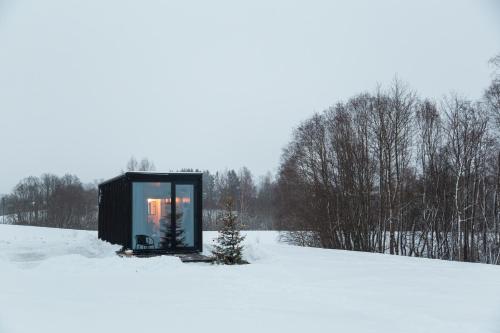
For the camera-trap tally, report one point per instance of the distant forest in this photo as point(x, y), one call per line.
point(385, 171)
point(65, 202)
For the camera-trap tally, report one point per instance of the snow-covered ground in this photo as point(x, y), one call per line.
point(54, 280)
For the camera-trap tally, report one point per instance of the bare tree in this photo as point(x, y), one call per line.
point(144, 165)
point(466, 130)
point(492, 93)
point(247, 195)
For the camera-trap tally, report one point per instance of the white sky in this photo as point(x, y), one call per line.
point(212, 84)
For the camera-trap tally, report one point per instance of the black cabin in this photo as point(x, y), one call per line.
point(152, 212)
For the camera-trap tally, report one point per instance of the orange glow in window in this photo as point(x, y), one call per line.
point(177, 200)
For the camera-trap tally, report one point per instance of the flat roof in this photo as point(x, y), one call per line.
point(144, 175)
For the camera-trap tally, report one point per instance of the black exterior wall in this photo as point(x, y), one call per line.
point(115, 212)
point(115, 206)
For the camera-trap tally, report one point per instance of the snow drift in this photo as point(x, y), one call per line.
point(55, 280)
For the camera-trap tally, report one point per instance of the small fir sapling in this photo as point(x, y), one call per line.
point(228, 247)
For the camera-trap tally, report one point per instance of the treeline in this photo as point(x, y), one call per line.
point(52, 201)
point(252, 199)
point(390, 172)
point(65, 202)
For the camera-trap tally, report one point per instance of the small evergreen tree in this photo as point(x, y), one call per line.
point(166, 238)
point(228, 248)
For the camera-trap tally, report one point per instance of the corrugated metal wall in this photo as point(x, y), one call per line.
point(115, 212)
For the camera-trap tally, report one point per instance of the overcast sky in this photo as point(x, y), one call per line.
point(212, 84)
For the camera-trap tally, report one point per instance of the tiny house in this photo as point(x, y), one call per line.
point(152, 212)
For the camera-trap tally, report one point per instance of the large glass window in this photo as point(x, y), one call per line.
point(184, 211)
point(151, 209)
point(153, 226)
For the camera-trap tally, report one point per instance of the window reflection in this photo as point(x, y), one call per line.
point(150, 213)
point(152, 216)
point(184, 207)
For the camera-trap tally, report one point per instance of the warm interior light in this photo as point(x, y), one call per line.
point(182, 200)
point(168, 200)
point(160, 207)
point(154, 210)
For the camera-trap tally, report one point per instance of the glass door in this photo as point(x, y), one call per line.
point(183, 228)
point(151, 215)
point(158, 221)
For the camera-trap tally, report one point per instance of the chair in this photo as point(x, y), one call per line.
point(144, 241)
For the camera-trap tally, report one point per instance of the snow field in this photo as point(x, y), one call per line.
point(54, 280)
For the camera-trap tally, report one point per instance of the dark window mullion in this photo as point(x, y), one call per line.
point(173, 222)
